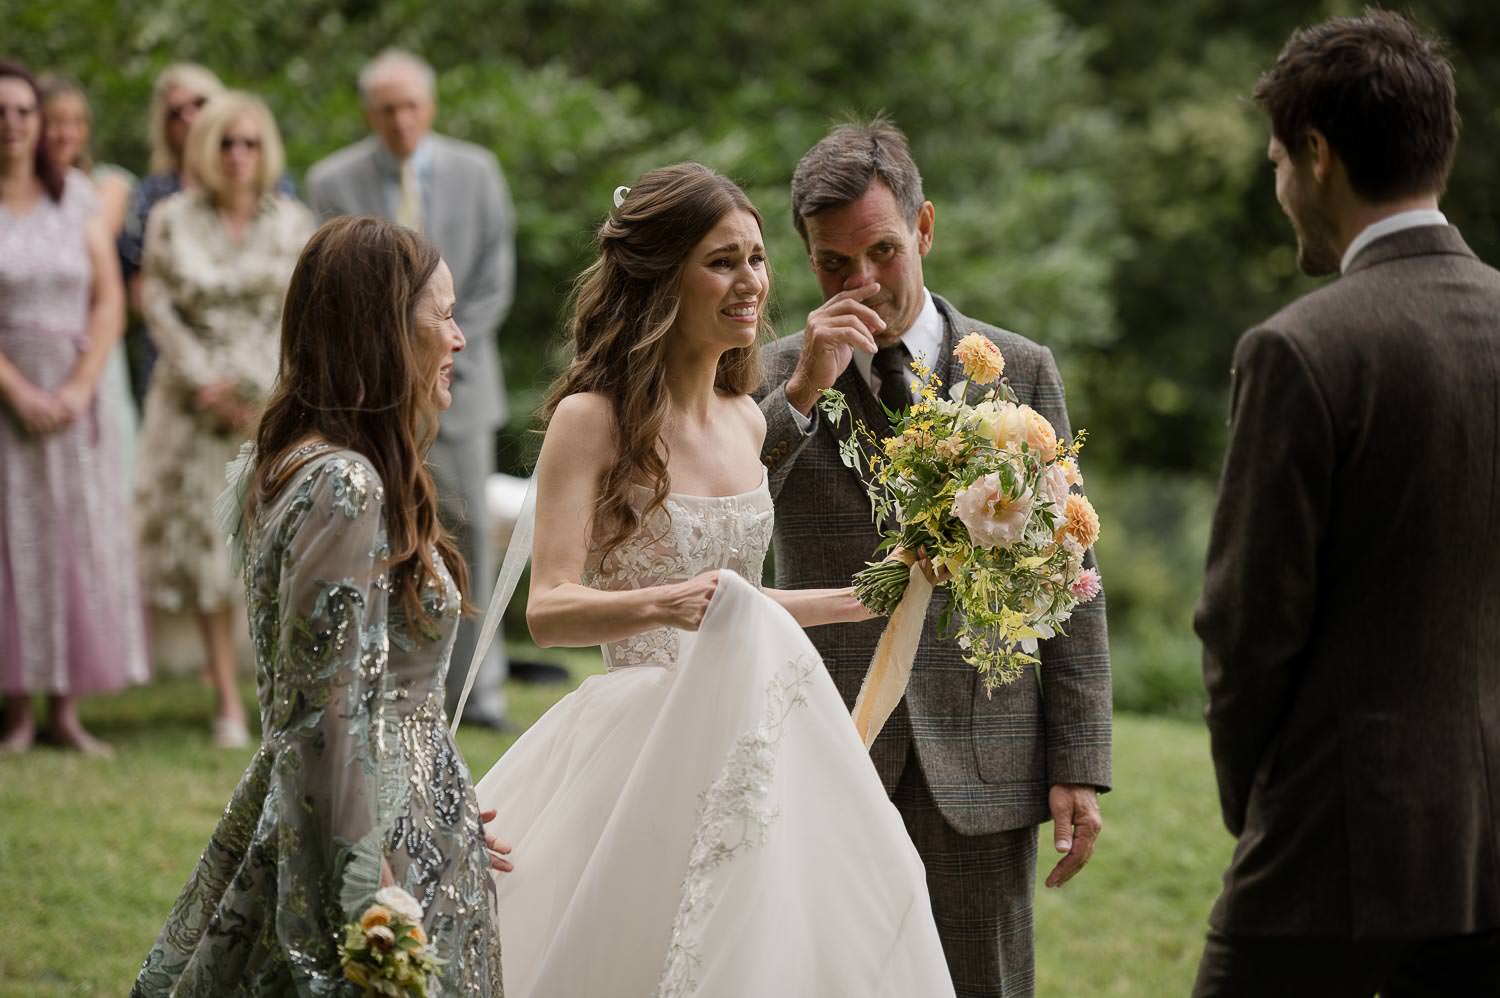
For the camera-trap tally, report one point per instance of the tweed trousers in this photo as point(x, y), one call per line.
point(982, 888)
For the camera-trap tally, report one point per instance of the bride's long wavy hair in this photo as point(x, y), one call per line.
point(354, 372)
point(623, 308)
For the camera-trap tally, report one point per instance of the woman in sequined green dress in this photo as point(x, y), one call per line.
point(353, 592)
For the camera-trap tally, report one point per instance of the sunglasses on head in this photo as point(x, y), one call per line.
point(228, 142)
point(178, 112)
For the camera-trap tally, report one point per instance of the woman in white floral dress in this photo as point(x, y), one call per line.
point(217, 261)
point(702, 819)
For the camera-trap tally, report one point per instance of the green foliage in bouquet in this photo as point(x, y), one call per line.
point(992, 497)
point(386, 953)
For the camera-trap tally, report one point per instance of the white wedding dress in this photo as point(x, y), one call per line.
point(702, 819)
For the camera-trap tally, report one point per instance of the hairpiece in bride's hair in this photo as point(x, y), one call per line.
point(621, 193)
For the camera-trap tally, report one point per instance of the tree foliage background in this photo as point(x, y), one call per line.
point(1099, 176)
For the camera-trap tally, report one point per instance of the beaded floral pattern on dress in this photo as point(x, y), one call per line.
point(687, 535)
point(733, 816)
point(356, 766)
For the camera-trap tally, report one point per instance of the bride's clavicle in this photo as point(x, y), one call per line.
point(719, 457)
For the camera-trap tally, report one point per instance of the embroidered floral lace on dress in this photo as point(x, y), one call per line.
point(688, 535)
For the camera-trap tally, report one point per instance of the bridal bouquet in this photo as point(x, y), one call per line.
point(386, 953)
point(993, 497)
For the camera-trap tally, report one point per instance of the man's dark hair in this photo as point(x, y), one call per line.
point(843, 165)
point(1379, 90)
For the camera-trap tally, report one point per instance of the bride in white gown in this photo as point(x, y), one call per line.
point(702, 819)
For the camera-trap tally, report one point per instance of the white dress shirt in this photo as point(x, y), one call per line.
point(924, 340)
point(1391, 223)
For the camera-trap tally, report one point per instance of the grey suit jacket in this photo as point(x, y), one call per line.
point(1351, 611)
point(988, 760)
point(472, 222)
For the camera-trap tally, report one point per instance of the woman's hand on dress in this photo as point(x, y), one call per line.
point(496, 848)
point(75, 397)
point(683, 604)
point(39, 412)
point(387, 878)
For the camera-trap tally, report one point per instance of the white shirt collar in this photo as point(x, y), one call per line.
point(1391, 223)
point(924, 339)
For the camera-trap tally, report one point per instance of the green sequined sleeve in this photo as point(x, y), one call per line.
point(329, 684)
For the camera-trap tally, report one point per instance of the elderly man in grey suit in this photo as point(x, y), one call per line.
point(455, 193)
point(972, 775)
point(1351, 611)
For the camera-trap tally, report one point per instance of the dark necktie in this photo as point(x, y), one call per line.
point(890, 366)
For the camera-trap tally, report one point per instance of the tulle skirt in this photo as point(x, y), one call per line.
point(710, 827)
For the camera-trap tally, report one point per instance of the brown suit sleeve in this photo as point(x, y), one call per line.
point(1077, 697)
point(1261, 582)
point(784, 438)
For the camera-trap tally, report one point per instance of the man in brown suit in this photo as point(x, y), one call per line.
point(972, 775)
point(1351, 611)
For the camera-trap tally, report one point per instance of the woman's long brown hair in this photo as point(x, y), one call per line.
point(623, 307)
point(354, 373)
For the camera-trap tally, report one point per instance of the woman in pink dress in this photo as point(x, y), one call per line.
point(70, 622)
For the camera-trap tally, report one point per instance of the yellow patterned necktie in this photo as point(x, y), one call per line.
point(409, 205)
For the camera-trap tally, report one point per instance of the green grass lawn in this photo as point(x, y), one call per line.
point(93, 853)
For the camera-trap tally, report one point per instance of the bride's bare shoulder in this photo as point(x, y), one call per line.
point(748, 412)
point(582, 425)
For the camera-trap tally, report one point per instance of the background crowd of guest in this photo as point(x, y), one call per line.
point(139, 332)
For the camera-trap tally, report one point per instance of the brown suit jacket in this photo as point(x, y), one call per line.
point(988, 760)
point(1351, 611)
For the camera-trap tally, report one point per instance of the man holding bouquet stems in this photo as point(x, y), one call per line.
point(1351, 609)
point(973, 775)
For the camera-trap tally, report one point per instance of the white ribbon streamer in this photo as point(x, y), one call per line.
point(517, 554)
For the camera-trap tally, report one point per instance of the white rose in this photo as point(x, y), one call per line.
point(400, 902)
point(1053, 488)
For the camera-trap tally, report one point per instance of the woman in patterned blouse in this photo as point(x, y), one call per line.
point(216, 266)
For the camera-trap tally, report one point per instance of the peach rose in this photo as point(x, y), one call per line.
point(982, 361)
point(1080, 521)
point(376, 914)
point(1040, 435)
point(1002, 422)
point(992, 518)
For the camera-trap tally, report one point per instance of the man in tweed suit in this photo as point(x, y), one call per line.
point(455, 193)
point(1351, 610)
point(972, 775)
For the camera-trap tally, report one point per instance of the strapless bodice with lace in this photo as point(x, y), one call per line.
point(687, 535)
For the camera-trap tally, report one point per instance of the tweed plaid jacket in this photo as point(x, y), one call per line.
point(989, 761)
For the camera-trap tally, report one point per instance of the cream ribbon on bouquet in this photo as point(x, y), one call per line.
point(890, 668)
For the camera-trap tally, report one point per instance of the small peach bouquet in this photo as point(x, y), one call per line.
point(993, 498)
point(386, 953)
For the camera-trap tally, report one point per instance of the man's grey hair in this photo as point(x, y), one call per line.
point(394, 59)
point(843, 165)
